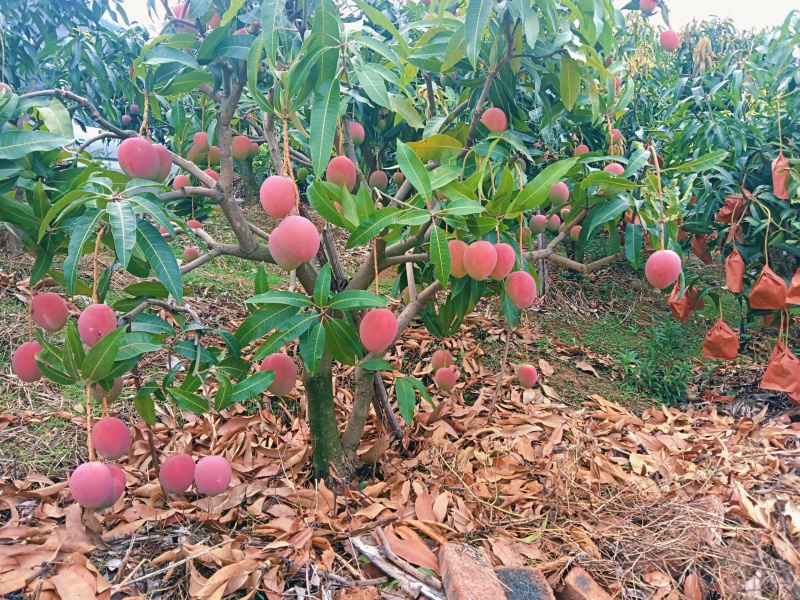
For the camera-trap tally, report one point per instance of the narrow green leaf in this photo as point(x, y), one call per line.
point(322, 287)
point(188, 401)
point(123, 227)
point(570, 81)
point(478, 13)
point(701, 164)
point(271, 20)
point(534, 194)
point(82, 230)
point(252, 386)
point(101, 357)
point(260, 323)
point(356, 300)
point(343, 341)
point(283, 297)
point(406, 399)
point(440, 255)
point(373, 85)
point(261, 280)
point(376, 364)
point(633, 243)
point(146, 407)
point(165, 54)
point(312, 345)
point(18, 143)
point(324, 114)
point(161, 258)
point(74, 354)
point(372, 226)
point(224, 396)
point(414, 170)
point(56, 118)
point(403, 107)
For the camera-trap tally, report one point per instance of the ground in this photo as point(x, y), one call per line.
point(590, 467)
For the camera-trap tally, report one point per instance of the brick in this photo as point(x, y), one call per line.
point(467, 574)
point(357, 593)
point(524, 583)
point(579, 585)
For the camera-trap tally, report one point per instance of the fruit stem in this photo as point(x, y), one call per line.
point(780, 134)
point(89, 445)
point(660, 194)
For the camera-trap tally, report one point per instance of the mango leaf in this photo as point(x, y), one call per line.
point(342, 341)
point(74, 354)
point(356, 300)
point(478, 13)
point(224, 396)
point(283, 297)
point(18, 143)
point(372, 226)
point(81, 231)
point(413, 168)
point(570, 81)
point(376, 364)
point(437, 147)
point(123, 227)
point(440, 255)
point(406, 399)
point(189, 401)
point(380, 19)
point(403, 107)
point(161, 258)
point(312, 345)
point(699, 164)
point(165, 54)
point(260, 323)
point(98, 362)
point(324, 114)
point(56, 118)
point(322, 287)
point(534, 194)
point(373, 85)
point(252, 386)
point(145, 405)
point(633, 243)
point(271, 20)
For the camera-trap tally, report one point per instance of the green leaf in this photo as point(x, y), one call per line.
point(371, 226)
point(165, 54)
point(135, 344)
point(382, 20)
point(376, 364)
point(437, 147)
point(324, 114)
point(81, 231)
point(570, 81)
point(356, 300)
point(74, 354)
point(699, 164)
point(633, 243)
point(161, 258)
point(20, 214)
point(234, 367)
point(56, 118)
point(322, 287)
point(637, 160)
point(406, 399)
point(603, 213)
point(232, 11)
point(55, 375)
point(261, 280)
point(271, 21)
point(534, 194)
point(343, 341)
point(18, 143)
point(403, 107)
point(420, 387)
point(252, 386)
point(153, 289)
point(440, 255)
point(320, 202)
point(145, 405)
point(312, 345)
point(373, 85)
point(101, 357)
point(123, 227)
point(148, 323)
point(282, 297)
point(188, 401)
point(414, 170)
point(260, 323)
point(478, 13)
point(224, 396)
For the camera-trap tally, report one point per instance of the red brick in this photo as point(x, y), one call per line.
point(467, 574)
point(579, 585)
point(357, 593)
point(524, 583)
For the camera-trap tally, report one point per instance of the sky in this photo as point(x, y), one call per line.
point(745, 14)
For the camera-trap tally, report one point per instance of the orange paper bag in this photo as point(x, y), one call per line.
point(700, 249)
point(732, 209)
point(769, 291)
point(783, 371)
point(793, 297)
point(780, 177)
point(734, 271)
point(721, 342)
point(682, 308)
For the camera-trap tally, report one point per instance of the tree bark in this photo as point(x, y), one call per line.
point(362, 400)
point(326, 446)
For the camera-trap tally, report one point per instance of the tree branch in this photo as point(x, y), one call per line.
point(85, 105)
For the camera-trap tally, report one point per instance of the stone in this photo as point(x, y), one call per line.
point(467, 574)
point(579, 585)
point(524, 583)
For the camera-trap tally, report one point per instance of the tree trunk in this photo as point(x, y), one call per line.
point(365, 389)
point(326, 446)
point(250, 184)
